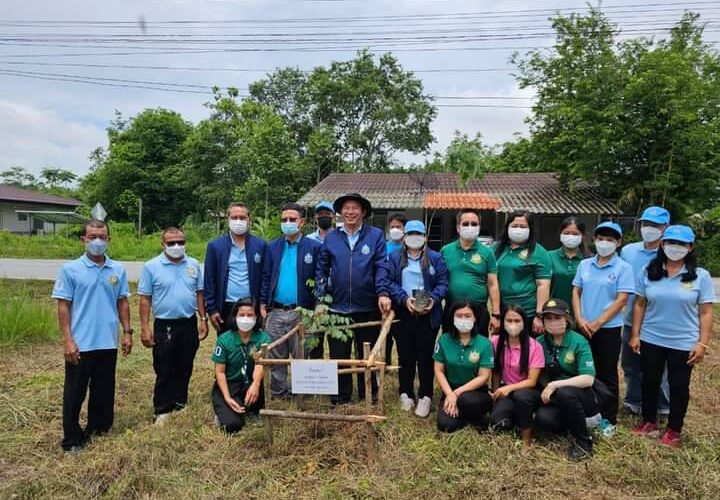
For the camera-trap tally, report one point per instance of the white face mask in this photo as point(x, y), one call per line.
point(463, 324)
point(675, 252)
point(518, 235)
point(571, 241)
point(605, 248)
point(469, 233)
point(650, 234)
point(513, 329)
point(245, 323)
point(555, 326)
point(396, 233)
point(175, 251)
point(415, 241)
point(238, 227)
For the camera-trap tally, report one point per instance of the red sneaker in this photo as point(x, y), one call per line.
point(671, 438)
point(645, 428)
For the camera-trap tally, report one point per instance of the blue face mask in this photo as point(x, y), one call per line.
point(289, 228)
point(96, 247)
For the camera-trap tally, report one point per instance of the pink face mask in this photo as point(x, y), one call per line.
point(555, 326)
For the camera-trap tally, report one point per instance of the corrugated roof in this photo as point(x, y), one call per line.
point(538, 192)
point(443, 200)
point(19, 195)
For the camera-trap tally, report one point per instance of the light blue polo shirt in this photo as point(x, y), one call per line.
point(600, 286)
point(412, 277)
point(672, 317)
point(173, 287)
point(94, 291)
point(315, 235)
point(638, 257)
point(238, 286)
point(287, 284)
point(352, 238)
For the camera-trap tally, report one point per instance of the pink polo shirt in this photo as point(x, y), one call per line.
point(511, 360)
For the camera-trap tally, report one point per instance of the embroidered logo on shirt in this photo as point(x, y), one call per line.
point(257, 258)
point(524, 254)
point(114, 280)
point(474, 357)
point(308, 258)
point(688, 286)
point(476, 258)
point(365, 250)
point(569, 357)
point(191, 272)
point(612, 277)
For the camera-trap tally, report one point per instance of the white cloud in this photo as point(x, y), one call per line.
point(34, 138)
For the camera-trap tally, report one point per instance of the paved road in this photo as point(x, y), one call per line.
point(48, 270)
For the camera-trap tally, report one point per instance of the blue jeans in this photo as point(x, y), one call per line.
point(630, 363)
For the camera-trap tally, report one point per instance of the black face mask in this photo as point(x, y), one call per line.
point(324, 222)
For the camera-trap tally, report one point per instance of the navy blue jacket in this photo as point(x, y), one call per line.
point(216, 269)
point(435, 278)
point(354, 278)
point(307, 256)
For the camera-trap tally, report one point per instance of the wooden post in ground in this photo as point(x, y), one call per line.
point(381, 391)
point(268, 392)
point(300, 399)
point(370, 428)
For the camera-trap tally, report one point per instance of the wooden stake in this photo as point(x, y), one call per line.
point(368, 379)
point(284, 338)
point(322, 416)
point(268, 393)
point(262, 360)
point(379, 347)
point(376, 368)
point(381, 390)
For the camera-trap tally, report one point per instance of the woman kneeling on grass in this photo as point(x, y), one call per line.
point(568, 398)
point(519, 359)
point(672, 321)
point(238, 380)
point(463, 364)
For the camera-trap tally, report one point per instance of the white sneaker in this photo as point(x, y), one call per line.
point(161, 419)
point(406, 402)
point(592, 422)
point(423, 407)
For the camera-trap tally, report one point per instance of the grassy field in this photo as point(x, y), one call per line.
point(188, 458)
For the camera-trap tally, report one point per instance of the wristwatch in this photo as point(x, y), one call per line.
point(129, 331)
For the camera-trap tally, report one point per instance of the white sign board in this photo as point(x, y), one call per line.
point(314, 377)
point(98, 212)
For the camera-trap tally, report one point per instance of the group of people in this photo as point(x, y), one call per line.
point(530, 338)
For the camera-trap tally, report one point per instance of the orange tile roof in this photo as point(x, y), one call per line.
point(450, 200)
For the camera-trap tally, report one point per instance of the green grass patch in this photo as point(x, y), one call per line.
point(25, 318)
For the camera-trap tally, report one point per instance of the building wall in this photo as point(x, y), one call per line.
point(24, 223)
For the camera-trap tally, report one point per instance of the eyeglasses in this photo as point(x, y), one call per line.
point(176, 243)
point(466, 224)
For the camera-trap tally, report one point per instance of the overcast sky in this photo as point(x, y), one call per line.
point(50, 116)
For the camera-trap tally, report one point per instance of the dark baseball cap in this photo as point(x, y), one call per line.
point(556, 306)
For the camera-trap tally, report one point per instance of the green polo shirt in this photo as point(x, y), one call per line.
point(563, 272)
point(463, 362)
point(573, 356)
point(237, 356)
point(468, 270)
point(517, 272)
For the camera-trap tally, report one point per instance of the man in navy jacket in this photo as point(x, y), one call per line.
point(352, 269)
point(289, 265)
point(233, 267)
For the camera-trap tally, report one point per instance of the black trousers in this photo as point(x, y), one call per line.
point(415, 339)
point(515, 410)
point(228, 322)
point(567, 410)
point(176, 342)
point(341, 349)
point(473, 406)
point(482, 317)
point(605, 345)
point(229, 420)
point(653, 359)
point(96, 370)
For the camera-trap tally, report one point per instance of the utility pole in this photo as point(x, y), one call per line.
point(139, 217)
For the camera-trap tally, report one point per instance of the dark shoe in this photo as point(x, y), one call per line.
point(73, 450)
point(580, 450)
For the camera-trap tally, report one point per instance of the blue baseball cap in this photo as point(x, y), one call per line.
point(656, 215)
point(414, 226)
point(679, 233)
point(324, 205)
point(608, 224)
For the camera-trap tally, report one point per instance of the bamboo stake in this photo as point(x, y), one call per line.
point(381, 390)
point(382, 338)
point(284, 338)
point(368, 379)
point(268, 392)
point(376, 368)
point(370, 419)
point(301, 355)
point(351, 326)
point(341, 362)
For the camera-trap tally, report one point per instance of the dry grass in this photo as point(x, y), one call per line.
point(188, 458)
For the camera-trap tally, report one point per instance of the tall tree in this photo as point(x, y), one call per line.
point(358, 112)
point(18, 177)
point(143, 162)
point(639, 118)
point(54, 177)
